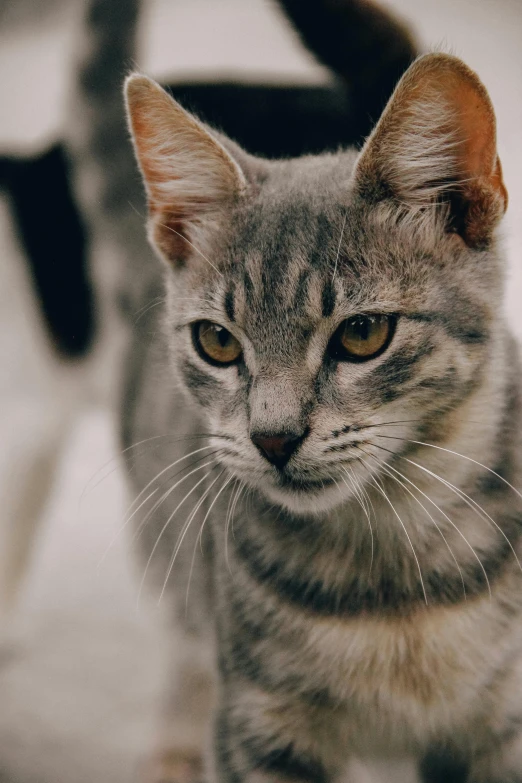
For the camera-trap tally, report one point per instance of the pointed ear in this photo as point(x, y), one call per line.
point(189, 176)
point(436, 143)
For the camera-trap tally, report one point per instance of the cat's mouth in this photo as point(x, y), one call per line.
point(302, 495)
point(300, 484)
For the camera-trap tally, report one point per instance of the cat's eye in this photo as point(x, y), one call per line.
point(216, 344)
point(362, 337)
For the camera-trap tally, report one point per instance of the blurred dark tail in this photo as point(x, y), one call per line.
point(51, 232)
point(363, 43)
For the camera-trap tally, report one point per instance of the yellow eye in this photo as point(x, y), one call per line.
point(215, 344)
point(363, 337)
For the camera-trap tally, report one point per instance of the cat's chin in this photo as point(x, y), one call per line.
point(306, 500)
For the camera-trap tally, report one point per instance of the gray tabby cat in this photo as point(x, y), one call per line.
point(334, 398)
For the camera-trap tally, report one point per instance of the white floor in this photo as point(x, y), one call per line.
point(78, 692)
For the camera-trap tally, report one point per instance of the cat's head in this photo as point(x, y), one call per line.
point(320, 305)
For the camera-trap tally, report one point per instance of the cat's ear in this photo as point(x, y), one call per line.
point(436, 144)
point(189, 177)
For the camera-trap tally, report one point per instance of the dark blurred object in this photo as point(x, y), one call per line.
point(274, 122)
point(364, 44)
point(441, 766)
point(52, 234)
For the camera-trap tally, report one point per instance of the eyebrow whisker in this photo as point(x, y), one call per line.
point(339, 249)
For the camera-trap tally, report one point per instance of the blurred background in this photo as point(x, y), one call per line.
point(81, 666)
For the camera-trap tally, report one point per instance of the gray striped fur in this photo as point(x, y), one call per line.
point(365, 602)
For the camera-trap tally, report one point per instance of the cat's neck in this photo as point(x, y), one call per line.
point(424, 532)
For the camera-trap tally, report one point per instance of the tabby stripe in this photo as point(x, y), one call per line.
point(301, 290)
point(390, 376)
point(239, 659)
point(223, 754)
point(328, 298)
point(386, 596)
point(198, 380)
point(228, 306)
point(282, 761)
point(468, 330)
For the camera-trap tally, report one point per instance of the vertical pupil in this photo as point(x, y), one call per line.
point(222, 335)
point(363, 328)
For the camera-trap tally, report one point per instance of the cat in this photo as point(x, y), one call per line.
point(322, 419)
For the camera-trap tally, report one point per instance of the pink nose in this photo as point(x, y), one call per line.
point(277, 449)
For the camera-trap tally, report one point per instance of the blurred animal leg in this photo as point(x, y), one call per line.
point(186, 714)
point(32, 431)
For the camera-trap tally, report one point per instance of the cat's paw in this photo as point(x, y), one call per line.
point(175, 766)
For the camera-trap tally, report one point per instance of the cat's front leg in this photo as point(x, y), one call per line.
point(185, 721)
point(501, 764)
point(261, 737)
point(499, 758)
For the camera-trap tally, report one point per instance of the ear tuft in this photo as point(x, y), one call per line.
point(436, 142)
point(188, 174)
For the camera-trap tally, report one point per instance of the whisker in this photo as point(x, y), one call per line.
point(386, 423)
point(169, 491)
point(366, 512)
point(131, 469)
point(388, 469)
point(247, 501)
point(167, 523)
point(156, 505)
point(472, 504)
point(235, 493)
point(237, 484)
point(169, 228)
point(200, 534)
point(87, 487)
point(163, 471)
point(166, 438)
point(352, 428)
point(184, 532)
point(339, 248)
point(146, 309)
point(385, 496)
point(122, 528)
point(230, 522)
point(460, 492)
point(452, 523)
point(367, 494)
point(358, 488)
point(457, 454)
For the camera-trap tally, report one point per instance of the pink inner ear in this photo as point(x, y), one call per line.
point(483, 194)
point(189, 176)
point(437, 140)
point(143, 140)
point(477, 156)
point(181, 161)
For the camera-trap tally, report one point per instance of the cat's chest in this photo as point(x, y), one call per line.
point(414, 675)
point(385, 682)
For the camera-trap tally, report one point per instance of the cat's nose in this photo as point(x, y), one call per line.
point(278, 448)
